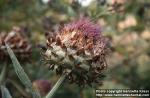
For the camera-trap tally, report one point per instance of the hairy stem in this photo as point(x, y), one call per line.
point(81, 92)
point(56, 86)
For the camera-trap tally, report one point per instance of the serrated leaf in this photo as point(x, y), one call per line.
point(21, 73)
point(5, 92)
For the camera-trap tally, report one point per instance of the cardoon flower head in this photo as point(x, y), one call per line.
point(17, 42)
point(79, 49)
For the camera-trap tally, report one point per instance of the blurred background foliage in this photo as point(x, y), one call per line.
point(126, 25)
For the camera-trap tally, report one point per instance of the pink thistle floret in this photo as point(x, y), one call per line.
point(85, 26)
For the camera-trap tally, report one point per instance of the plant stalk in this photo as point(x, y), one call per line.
point(81, 92)
point(56, 86)
point(3, 74)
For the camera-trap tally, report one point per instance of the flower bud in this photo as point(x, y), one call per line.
point(43, 86)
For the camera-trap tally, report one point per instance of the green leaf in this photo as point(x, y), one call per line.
point(21, 73)
point(5, 92)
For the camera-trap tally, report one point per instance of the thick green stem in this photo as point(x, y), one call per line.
point(56, 86)
point(81, 92)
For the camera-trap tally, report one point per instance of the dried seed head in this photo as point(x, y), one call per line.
point(81, 48)
point(17, 42)
point(43, 86)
